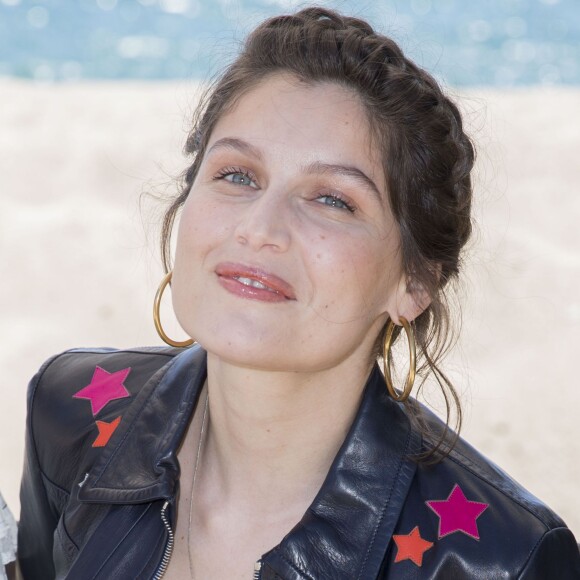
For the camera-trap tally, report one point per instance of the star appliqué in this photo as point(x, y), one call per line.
point(104, 387)
point(105, 431)
point(411, 546)
point(458, 514)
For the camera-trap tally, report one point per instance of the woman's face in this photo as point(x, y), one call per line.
point(287, 253)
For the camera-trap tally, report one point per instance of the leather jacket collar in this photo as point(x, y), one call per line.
point(371, 473)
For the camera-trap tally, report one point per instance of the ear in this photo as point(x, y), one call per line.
point(411, 300)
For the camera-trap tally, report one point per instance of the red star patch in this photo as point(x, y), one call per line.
point(104, 387)
point(457, 514)
point(105, 431)
point(411, 546)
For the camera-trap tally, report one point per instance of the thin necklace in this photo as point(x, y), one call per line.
point(201, 433)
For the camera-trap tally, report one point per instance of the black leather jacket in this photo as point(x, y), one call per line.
point(96, 512)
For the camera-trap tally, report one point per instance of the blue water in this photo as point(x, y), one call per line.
point(463, 42)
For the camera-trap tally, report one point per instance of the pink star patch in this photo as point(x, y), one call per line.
point(104, 387)
point(457, 514)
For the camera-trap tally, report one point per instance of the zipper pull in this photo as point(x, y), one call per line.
point(81, 483)
point(257, 570)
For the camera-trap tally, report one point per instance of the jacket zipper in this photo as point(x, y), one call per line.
point(168, 546)
point(169, 549)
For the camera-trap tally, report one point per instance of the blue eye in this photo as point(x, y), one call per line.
point(237, 176)
point(335, 201)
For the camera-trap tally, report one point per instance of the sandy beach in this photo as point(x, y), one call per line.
point(79, 259)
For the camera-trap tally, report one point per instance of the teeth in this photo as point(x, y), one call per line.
point(251, 282)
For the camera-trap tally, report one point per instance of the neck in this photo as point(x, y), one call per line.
point(272, 436)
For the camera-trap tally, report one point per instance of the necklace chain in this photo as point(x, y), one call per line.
point(199, 445)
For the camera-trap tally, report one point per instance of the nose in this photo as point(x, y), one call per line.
point(264, 222)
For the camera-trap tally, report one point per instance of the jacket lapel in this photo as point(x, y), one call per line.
point(142, 466)
point(347, 529)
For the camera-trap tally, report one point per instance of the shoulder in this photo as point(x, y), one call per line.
point(78, 398)
point(475, 516)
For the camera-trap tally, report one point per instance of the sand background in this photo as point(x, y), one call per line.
point(79, 262)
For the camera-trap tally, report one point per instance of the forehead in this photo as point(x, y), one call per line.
point(322, 121)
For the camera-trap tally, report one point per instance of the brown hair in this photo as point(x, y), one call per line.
point(427, 157)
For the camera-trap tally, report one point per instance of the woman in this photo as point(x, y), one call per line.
point(325, 208)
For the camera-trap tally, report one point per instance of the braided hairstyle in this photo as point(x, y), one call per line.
point(427, 158)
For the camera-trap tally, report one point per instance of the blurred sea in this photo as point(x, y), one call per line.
point(484, 42)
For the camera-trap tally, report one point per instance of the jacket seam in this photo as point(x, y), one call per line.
point(58, 487)
point(148, 562)
point(64, 536)
point(65, 528)
point(111, 554)
point(96, 488)
point(533, 550)
point(39, 378)
point(372, 541)
point(302, 573)
point(511, 497)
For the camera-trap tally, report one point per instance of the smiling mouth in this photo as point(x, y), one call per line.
point(254, 283)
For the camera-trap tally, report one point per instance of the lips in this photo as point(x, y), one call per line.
point(254, 283)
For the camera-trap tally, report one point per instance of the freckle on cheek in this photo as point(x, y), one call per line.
point(322, 237)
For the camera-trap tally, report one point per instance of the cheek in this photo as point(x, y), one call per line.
point(347, 266)
point(201, 226)
point(196, 233)
point(367, 272)
point(383, 273)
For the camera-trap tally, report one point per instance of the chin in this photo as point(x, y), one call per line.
point(270, 355)
point(253, 352)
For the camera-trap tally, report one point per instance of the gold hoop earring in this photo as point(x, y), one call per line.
point(157, 319)
point(412, 360)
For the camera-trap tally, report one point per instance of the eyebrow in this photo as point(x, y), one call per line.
point(237, 145)
point(347, 171)
point(317, 167)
